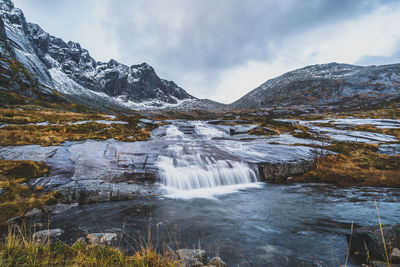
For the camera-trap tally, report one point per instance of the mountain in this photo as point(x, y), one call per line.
point(56, 67)
point(327, 85)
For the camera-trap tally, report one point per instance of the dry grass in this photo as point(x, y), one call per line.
point(18, 248)
point(29, 115)
point(356, 164)
point(17, 199)
point(57, 134)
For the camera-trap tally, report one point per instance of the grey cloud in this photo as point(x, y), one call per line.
point(210, 36)
point(380, 60)
point(216, 34)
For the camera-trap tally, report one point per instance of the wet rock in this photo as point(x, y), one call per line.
point(395, 255)
point(148, 122)
point(217, 261)
point(242, 129)
point(59, 208)
point(278, 171)
point(367, 241)
point(33, 213)
point(94, 191)
point(102, 239)
point(197, 254)
point(389, 149)
point(141, 125)
point(47, 235)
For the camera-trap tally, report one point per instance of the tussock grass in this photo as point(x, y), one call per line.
point(356, 164)
point(57, 134)
point(17, 198)
point(18, 248)
point(29, 115)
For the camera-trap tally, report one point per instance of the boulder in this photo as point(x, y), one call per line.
point(242, 129)
point(367, 241)
point(395, 255)
point(147, 122)
point(47, 235)
point(33, 213)
point(279, 171)
point(102, 239)
point(217, 261)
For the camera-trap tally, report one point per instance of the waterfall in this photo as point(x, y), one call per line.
point(184, 175)
point(194, 169)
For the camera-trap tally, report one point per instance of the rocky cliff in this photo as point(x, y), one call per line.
point(330, 84)
point(69, 69)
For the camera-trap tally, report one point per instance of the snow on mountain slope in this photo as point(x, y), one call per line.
point(326, 84)
point(69, 69)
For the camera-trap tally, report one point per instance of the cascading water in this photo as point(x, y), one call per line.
point(194, 169)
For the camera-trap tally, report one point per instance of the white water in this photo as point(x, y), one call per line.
point(193, 169)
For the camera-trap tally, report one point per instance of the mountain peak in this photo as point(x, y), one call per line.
point(69, 69)
point(327, 84)
point(6, 5)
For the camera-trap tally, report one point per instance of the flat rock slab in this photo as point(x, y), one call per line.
point(45, 235)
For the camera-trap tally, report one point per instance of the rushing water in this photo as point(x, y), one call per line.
point(272, 225)
point(190, 167)
point(213, 200)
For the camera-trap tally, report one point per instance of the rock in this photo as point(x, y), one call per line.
point(368, 241)
point(94, 191)
point(102, 239)
point(389, 149)
point(1, 191)
point(242, 129)
point(217, 261)
point(278, 171)
point(148, 122)
point(197, 254)
point(33, 213)
point(141, 125)
point(395, 256)
point(49, 235)
point(59, 208)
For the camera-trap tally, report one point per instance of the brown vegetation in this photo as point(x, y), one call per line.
point(355, 164)
point(16, 198)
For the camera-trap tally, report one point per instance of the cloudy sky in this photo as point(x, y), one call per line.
point(223, 49)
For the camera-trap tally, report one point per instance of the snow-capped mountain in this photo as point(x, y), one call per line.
point(327, 84)
point(70, 70)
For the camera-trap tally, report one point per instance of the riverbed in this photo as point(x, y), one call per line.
point(272, 225)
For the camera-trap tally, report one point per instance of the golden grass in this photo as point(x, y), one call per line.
point(18, 248)
point(22, 169)
point(356, 164)
point(57, 134)
point(17, 116)
point(17, 199)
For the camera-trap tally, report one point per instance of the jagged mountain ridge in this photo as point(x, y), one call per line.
point(70, 70)
point(326, 84)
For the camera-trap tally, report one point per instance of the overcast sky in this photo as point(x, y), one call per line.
point(222, 49)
